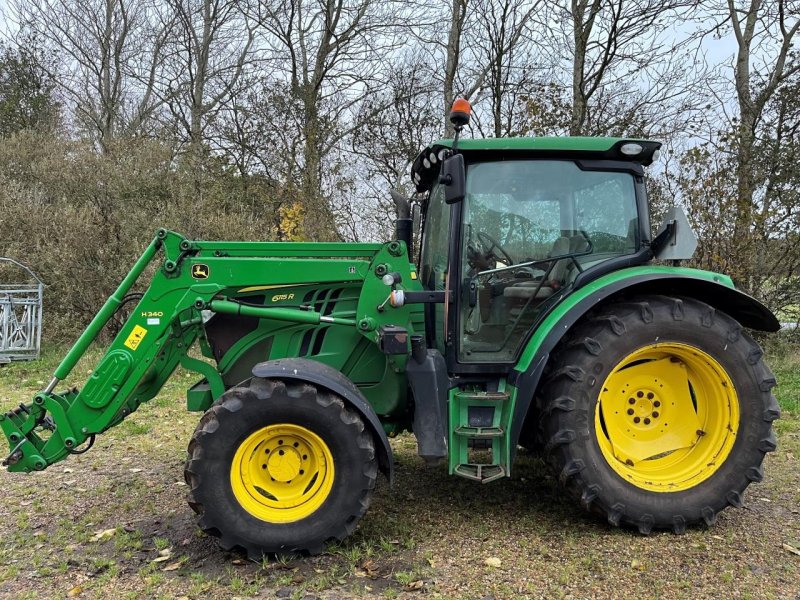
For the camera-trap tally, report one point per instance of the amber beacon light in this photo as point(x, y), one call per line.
point(460, 112)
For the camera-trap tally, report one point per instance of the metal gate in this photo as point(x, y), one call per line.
point(20, 316)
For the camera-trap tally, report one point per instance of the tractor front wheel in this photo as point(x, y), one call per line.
point(280, 468)
point(657, 413)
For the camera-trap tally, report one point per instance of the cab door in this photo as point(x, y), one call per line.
point(434, 262)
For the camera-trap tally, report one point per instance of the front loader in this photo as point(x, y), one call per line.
point(535, 316)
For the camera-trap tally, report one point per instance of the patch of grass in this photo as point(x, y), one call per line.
point(784, 359)
point(161, 543)
point(135, 427)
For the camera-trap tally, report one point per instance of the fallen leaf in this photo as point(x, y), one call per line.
point(173, 566)
point(161, 559)
point(165, 552)
point(716, 537)
point(415, 585)
point(791, 549)
point(103, 535)
point(492, 561)
point(238, 562)
point(74, 591)
point(635, 564)
point(135, 470)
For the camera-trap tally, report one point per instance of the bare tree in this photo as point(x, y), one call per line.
point(616, 43)
point(111, 56)
point(210, 50)
point(493, 32)
point(754, 24)
point(333, 55)
point(511, 59)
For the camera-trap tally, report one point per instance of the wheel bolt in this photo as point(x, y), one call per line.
point(630, 411)
point(655, 415)
point(280, 452)
point(650, 395)
point(636, 419)
point(263, 466)
point(305, 456)
point(302, 472)
point(646, 421)
point(631, 401)
point(639, 394)
point(656, 403)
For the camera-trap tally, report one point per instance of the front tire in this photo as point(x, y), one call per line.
point(278, 468)
point(657, 413)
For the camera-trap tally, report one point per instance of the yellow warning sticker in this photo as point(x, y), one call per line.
point(136, 337)
point(413, 274)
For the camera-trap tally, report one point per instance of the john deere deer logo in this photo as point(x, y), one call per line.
point(200, 271)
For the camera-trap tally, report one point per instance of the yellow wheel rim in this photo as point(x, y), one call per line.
point(667, 417)
point(282, 473)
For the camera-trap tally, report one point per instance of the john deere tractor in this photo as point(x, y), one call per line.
point(534, 316)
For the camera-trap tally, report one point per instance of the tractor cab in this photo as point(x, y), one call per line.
point(538, 217)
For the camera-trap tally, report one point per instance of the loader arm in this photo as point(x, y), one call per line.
point(192, 278)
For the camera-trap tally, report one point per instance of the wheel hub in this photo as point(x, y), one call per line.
point(284, 465)
point(643, 407)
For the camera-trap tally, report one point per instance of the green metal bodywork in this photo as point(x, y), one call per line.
point(297, 292)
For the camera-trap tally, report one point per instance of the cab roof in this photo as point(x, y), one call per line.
point(426, 165)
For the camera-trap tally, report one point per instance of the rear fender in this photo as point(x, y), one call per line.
point(324, 376)
point(712, 288)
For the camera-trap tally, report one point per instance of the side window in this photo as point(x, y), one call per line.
point(606, 213)
point(433, 258)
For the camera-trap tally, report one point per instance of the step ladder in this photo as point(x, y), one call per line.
point(480, 423)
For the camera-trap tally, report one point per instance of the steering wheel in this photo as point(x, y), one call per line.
point(489, 244)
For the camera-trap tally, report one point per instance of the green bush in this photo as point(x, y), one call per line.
point(80, 218)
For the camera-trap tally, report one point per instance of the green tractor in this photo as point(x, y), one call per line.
point(534, 317)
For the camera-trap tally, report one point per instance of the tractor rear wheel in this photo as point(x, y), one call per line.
point(280, 468)
point(657, 413)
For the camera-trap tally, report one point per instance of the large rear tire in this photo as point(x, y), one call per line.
point(657, 413)
point(278, 468)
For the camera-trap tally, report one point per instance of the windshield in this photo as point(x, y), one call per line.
point(529, 228)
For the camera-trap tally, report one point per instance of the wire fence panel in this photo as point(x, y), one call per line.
point(20, 318)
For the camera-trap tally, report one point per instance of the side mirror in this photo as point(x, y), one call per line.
point(675, 239)
point(453, 178)
point(416, 217)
